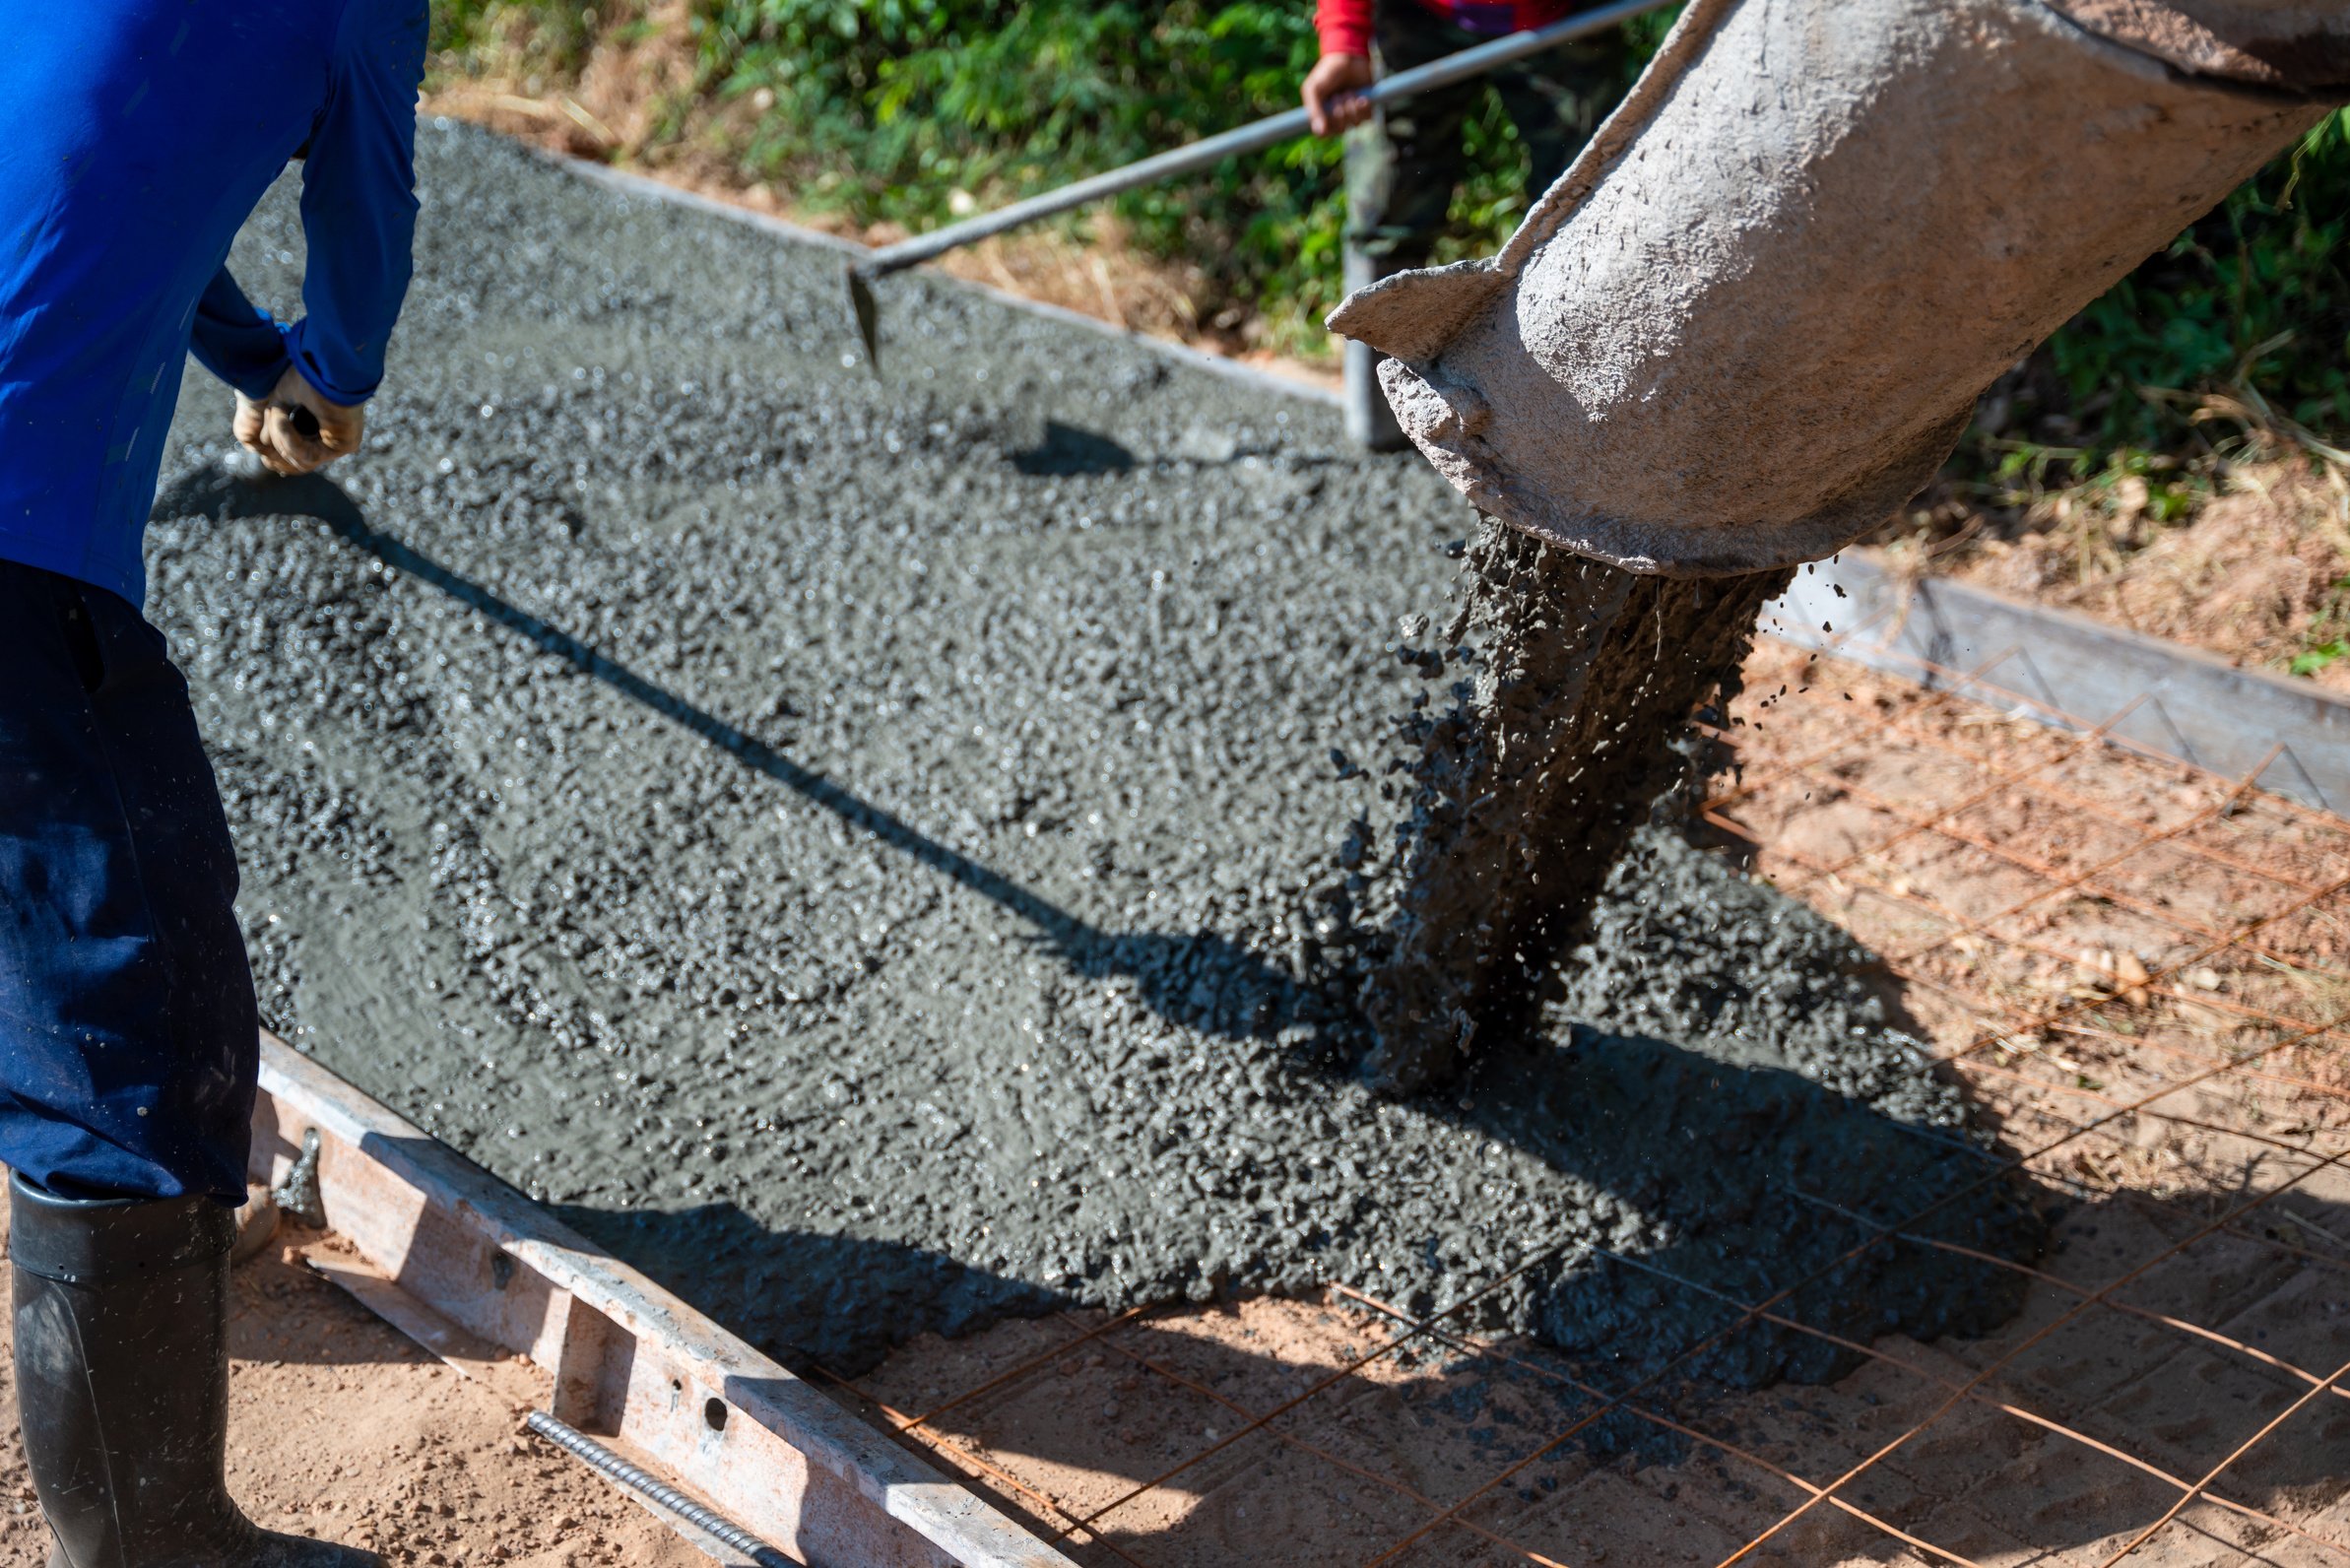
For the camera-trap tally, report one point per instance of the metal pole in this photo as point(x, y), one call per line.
point(1370, 423)
point(1246, 138)
point(597, 1457)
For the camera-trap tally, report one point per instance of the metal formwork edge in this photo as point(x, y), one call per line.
point(2063, 668)
point(620, 1355)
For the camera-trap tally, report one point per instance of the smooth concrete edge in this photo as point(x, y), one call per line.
point(2162, 698)
point(643, 185)
point(624, 1354)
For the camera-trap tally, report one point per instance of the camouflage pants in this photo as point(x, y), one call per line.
point(1402, 168)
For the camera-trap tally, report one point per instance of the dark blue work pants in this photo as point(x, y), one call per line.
point(127, 1023)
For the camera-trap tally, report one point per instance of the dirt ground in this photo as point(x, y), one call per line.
point(344, 1430)
point(2258, 574)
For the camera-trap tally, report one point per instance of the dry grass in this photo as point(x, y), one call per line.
point(2258, 573)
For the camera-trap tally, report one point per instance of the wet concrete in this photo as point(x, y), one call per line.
point(871, 853)
point(1530, 784)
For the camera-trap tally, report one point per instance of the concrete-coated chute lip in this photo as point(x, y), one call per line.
point(605, 1350)
point(1755, 316)
point(2280, 44)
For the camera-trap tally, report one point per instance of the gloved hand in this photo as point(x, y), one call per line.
point(295, 430)
point(1333, 92)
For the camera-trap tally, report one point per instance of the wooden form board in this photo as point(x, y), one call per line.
point(620, 1355)
point(2288, 736)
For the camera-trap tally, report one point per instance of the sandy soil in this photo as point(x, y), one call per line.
point(344, 1430)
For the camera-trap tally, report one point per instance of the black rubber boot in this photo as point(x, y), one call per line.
point(123, 1385)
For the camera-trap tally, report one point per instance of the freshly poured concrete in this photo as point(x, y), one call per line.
point(1526, 788)
point(871, 851)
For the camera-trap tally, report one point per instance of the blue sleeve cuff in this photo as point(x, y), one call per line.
point(235, 339)
point(306, 362)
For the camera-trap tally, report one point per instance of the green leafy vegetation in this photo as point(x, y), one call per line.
point(2323, 656)
point(2328, 641)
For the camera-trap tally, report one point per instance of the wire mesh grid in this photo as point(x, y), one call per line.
point(2141, 975)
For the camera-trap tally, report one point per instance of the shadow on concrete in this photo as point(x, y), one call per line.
point(1068, 452)
point(1745, 1182)
point(1685, 1139)
point(1201, 980)
point(1738, 1185)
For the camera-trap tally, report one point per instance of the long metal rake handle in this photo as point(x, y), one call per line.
point(1248, 138)
point(865, 310)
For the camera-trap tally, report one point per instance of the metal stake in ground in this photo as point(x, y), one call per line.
point(1205, 154)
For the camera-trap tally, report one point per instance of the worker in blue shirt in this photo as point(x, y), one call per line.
point(135, 137)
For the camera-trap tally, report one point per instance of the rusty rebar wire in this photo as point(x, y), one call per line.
point(1748, 1318)
point(2033, 1338)
point(2199, 1488)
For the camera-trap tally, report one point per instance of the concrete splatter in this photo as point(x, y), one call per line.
point(1528, 786)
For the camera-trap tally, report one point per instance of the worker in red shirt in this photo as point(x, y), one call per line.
point(1401, 172)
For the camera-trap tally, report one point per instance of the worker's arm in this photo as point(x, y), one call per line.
point(235, 339)
point(359, 217)
point(1333, 89)
point(240, 342)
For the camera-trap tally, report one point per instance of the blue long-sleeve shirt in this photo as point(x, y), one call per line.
point(135, 137)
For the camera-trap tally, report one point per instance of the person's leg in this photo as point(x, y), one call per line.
point(1557, 99)
point(1401, 171)
point(127, 1021)
point(1402, 168)
point(127, 1065)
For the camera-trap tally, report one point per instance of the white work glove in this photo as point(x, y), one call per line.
point(274, 431)
point(1333, 92)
